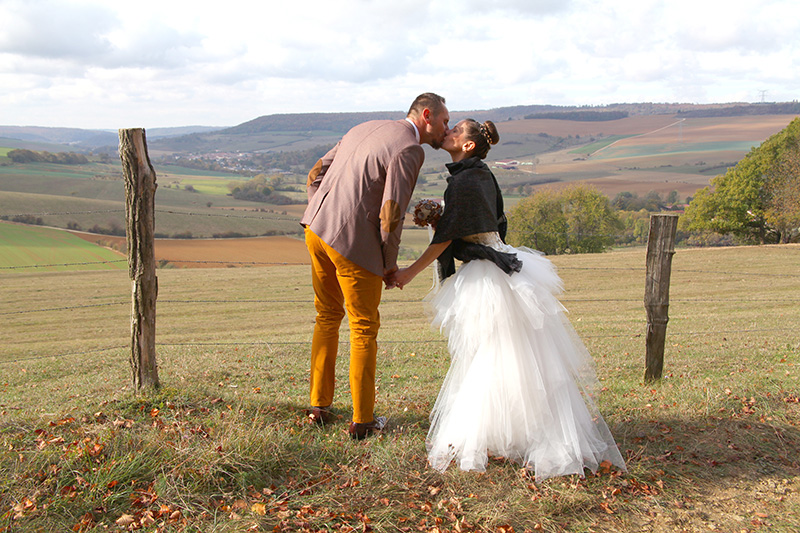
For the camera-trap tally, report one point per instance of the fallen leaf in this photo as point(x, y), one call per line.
point(125, 520)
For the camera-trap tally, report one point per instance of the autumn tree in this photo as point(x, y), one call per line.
point(577, 219)
point(22, 155)
point(783, 185)
point(261, 188)
point(752, 200)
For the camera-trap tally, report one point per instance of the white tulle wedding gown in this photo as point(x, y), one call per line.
point(520, 380)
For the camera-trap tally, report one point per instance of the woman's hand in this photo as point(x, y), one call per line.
point(402, 277)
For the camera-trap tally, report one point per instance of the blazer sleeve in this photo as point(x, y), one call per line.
point(317, 172)
point(401, 177)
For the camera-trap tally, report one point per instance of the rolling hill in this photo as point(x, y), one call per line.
point(654, 147)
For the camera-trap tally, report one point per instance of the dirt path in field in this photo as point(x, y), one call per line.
point(216, 253)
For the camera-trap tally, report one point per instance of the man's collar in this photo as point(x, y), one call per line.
point(416, 130)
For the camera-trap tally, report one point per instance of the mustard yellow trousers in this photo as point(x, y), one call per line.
point(338, 284)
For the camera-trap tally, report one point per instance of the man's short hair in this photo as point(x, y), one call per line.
point(432, 101)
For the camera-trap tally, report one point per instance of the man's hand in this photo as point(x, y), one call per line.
point(389, 277)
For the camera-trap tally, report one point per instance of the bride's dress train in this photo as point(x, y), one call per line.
point(520, 380)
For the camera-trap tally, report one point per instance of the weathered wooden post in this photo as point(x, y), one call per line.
point(140, 192)
point(660, 249)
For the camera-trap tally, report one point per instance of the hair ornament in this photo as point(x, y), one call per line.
point(485, 132)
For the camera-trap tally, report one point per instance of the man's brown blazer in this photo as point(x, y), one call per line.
point(359, 191)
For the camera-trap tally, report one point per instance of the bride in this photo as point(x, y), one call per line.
point(520, 380)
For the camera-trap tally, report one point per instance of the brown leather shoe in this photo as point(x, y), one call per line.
point(320, 415)
point(359, 431)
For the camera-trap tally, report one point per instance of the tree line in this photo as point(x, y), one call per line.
point(581, 219)
point(773, 108)
point(582, 116)
point(264, 188)
point(22, 155)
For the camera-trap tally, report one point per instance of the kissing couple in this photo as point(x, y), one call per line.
point(520, 382)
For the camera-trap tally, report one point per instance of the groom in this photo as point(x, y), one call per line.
point(357, 198)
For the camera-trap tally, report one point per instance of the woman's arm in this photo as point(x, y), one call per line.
point(404, 276)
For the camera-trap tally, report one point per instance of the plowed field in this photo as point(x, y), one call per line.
point(211, 253)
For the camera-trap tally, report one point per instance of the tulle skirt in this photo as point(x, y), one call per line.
point(520, 382)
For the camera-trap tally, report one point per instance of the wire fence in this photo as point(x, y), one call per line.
point(211, 304)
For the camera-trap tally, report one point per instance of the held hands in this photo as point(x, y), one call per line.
point(398, 278)
point(403, 277)
point(388, 277)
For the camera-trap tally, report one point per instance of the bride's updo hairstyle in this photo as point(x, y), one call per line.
point(483, 135)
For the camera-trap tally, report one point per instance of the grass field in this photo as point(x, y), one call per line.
point(598, 145)
point(224, 446)
point(22, 246)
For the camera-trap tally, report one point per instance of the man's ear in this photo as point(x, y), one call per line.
point(426, 114)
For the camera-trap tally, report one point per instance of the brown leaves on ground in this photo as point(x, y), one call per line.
point(162, 517)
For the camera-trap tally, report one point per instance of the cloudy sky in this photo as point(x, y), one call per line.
point(114, 64)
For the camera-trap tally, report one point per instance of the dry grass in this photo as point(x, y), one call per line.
point(224, 445)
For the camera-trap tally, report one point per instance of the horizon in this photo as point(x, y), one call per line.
point(456, 111)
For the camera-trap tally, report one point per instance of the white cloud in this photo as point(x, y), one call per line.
point(99, 63)
point(51, 29)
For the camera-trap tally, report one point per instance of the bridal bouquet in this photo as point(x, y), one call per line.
point(427, 212)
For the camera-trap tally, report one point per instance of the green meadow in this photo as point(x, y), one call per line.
point(224, 444)
point(23, 247)
point(597, 145)
point(617, 152)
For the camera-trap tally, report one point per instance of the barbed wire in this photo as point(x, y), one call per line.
point(681, 270)
point(264, 263)
point(400, 301)
point(286, 218)
point(67, 354)
point(61, 213)
point(289, 263)
point(771, 274)
point(385, 342)
point(260, 263)
point(66, 308)
point(63, 264)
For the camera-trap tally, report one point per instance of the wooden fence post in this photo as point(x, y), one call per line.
point(660, 249)
point(140, 189)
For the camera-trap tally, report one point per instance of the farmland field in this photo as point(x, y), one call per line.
point(657, 152)
point(636, 154)
point(22, 246)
